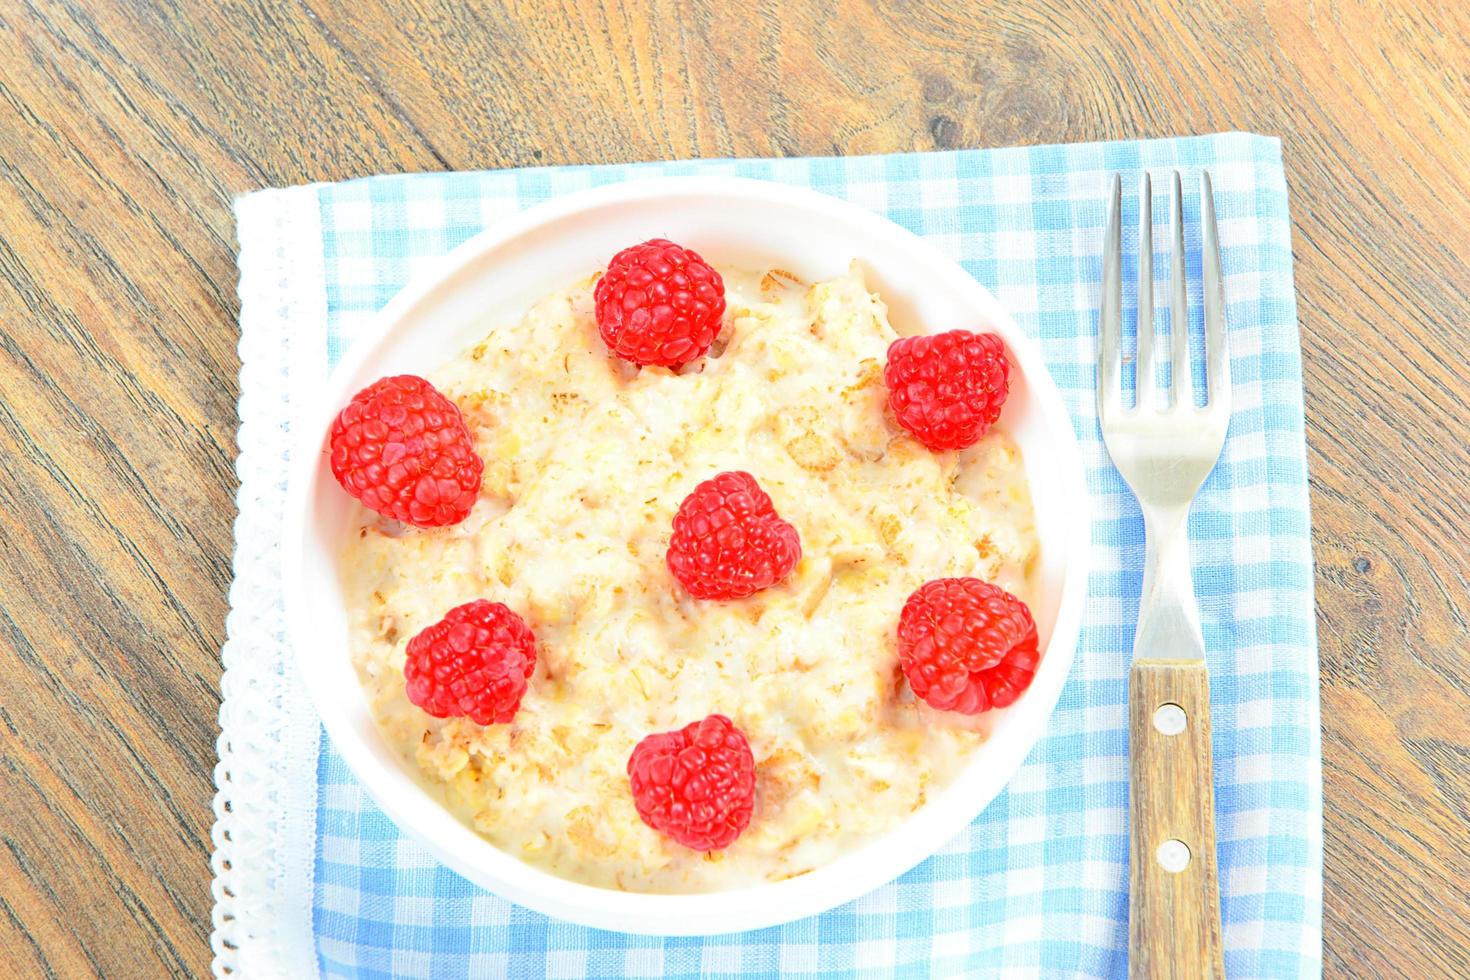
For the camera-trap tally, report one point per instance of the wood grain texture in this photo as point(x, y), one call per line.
point(126, 127)
point(1173, 912)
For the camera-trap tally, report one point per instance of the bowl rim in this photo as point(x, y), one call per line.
point(851, 875)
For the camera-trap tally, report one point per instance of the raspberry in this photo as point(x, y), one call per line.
point(473, 663)
point(728, 541)
point(697, 784)
point(659, 303)
point(948, 388)
point(966, 645)
point(403, 449)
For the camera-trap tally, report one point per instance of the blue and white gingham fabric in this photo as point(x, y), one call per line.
point(1038, 884)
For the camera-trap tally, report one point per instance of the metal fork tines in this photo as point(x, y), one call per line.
point(1164, 452)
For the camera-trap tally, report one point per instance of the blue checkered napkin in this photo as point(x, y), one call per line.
point(1038, 884)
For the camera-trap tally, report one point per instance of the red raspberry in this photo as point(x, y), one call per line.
point(696, 784)
point(404, 450)
point(659, 303)
point(966, 645)
point(948, 388)
point(473, 663)
point(728, 541)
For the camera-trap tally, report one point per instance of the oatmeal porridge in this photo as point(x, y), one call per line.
point(587, 458)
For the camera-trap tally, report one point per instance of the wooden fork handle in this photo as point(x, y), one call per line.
point(1174, 905)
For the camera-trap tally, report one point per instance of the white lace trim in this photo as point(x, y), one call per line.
point(265, 808)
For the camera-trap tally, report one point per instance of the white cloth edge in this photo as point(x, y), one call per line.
point(265, 806)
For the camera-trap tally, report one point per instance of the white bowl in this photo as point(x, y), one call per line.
point(731, 222)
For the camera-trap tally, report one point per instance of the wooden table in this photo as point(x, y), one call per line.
point(127, 128)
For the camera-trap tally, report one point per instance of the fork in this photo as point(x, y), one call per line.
point(1165, 452)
